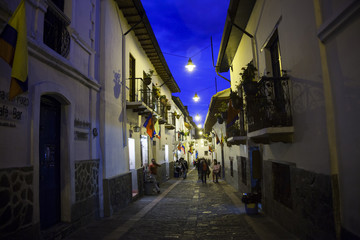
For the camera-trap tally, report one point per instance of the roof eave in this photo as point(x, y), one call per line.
point(158, 59)
point(239, 12)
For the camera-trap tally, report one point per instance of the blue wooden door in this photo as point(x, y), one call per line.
point(49, 165)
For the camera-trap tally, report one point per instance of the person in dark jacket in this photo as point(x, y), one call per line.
point(204, 168)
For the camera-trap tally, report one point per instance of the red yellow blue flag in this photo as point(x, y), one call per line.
point(191, 150)
point(183, 147)
point(14, 50)
point(149, 125)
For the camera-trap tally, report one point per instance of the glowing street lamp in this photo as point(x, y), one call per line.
point(199, 125)
point(190, 66)
point(196, 98)
point(197, 117)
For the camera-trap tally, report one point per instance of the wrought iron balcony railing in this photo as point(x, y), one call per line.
point(270, 106)
point(56, 36)
point(170, 118)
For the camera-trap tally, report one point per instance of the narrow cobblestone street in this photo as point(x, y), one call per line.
point(185, 209)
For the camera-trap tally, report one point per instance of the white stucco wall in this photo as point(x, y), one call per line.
point(300, 57)
point(342, 57)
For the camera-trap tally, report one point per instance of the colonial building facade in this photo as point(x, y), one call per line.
point(73, 146)
point(295, 139)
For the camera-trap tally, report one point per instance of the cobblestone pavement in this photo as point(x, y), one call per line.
point(185, 209)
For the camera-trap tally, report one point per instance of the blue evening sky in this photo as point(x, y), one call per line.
point(184, 28)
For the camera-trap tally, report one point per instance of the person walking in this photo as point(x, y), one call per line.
point(153, 171)
point(204, 168)
point(216, 171)
point(184, 167)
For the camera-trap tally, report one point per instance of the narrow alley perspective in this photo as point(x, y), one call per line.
point(102, 99)
point(185, 209)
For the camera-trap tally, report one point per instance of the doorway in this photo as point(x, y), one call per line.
point(255, 169)
point(144, 149)
point(49, 162)
point(132, 166)
point(167, 160)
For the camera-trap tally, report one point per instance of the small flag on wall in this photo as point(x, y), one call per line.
point(14, 50)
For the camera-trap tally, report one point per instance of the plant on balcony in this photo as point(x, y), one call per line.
point(248, 79)
point(234, 130)
point(168, 106)
point(163, 99)
point(147, 77)
point(177, 115)
point(220, 120)
point(221, 115)
point(156, 91)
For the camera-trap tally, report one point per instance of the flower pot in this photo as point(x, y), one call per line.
point(147, 80)
point(220, 120)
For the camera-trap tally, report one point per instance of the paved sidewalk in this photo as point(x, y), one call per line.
point(185, 209)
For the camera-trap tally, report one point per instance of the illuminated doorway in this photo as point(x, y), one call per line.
point(132, 167)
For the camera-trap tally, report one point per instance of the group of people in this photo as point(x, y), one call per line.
point(181, 167)
point(203, 167)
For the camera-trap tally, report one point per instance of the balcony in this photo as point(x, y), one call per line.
point(140, 99)
point(268, 112)
point(170, 121)
point(56, 36)
point(163, 110)
point(236, 134)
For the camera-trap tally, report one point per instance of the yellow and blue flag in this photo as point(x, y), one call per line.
point(14, 50)
point(157, 131)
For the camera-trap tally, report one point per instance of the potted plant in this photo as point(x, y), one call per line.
point(168, 106)
point(156, 92)
point(251, 201)
point(248, 79)
point(147, 77)
point(163, 99)
point(223, 110)
point(177, 115)
point(220, 120)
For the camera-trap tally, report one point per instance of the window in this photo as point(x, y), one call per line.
point(274, 59)
point(273, 55)
point(231, 166)
point(132, 78)
point(56, 35)
point(282, 185)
